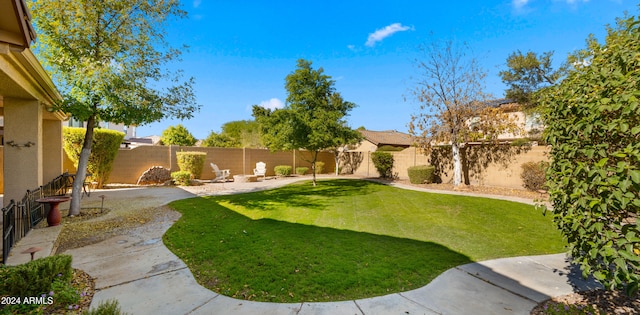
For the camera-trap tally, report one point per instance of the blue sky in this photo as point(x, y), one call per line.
point(241, 51)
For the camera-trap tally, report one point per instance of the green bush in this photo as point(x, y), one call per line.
point(192, 162)
point(533, 175)
point(177, 135)
point(35, 277)
point(109, 307)
point(389, 148)
point(383, 162)
point(103, 151)
point(592, 122)
point(319, 167)
point(182, 178)
point(302, 170)
point(421, 174)
point(282, 170)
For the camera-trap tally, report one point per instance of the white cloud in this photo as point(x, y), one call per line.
point(196, 3)
point(385, 32)
point(272, 104)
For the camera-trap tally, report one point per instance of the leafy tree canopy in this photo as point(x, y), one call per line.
point(236, 134)
point(177, 135)
point(314, 118)
point(527, 74)
point(593, 124)
point(107, 58)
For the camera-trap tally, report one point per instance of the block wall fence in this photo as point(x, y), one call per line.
point(131, 163)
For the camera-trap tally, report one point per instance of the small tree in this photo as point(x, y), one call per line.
point(177, 135)
point(105, 148)
point(313, 119)
point(593, 122)
point(453, 106)
point(107, 58)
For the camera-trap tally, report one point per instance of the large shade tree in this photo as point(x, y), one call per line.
point(454, 108)
point(108, 58)
point(313, 119)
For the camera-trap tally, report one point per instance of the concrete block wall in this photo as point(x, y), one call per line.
point(131, 163)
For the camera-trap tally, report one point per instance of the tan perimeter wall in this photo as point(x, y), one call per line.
point(131, 163)
point(491, 167)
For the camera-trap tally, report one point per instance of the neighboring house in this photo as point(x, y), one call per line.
point(530, 123)
point(375, 139)
point(32, 131)
point(129, 131)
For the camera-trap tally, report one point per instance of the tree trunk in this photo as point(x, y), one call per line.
point(337, 157)
point(313, 166)
point(457, 164)
point(81, 172)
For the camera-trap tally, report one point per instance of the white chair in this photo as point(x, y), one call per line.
point(260, 170)
point(221, 175)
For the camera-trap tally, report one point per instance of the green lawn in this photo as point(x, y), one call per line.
point(346, 239)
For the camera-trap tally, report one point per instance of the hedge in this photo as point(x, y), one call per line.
point(103, 151)
point(421, 174)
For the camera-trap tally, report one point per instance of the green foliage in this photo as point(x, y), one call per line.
point(216, 140)
point(35, 277)
point(282, 170)
point(192, 162)
point(109, 307)
point(319, 167)
point(383, 162)
point(182, 178)
point(533, 175)
point(557, 308)
point(314, 118)
point(520, 142)
point(236, 134)
point(527, 74)
point(421, 174)
point(302, 170)
point(177, 135)
point(389, 148)
point(105, 148)
point(593, 122)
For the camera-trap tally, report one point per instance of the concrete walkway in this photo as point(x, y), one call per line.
point(146, 278)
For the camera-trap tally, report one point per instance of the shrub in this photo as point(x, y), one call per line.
point(109, 307)
point(420, 174)
point(383, 162)
point(521, 142)
point(594, 178)
point(389, 148)
point(178, 135)
point(182, 178)
point(282, 170)
point(103, 151)
point(192, 162)
point(35, 277)
point(302, 170)
point(533, 175)
point(319, 167)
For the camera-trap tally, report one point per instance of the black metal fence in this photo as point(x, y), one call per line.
point(19, 218)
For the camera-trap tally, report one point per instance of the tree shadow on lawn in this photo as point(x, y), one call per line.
point(300, 195)
point(276, 261)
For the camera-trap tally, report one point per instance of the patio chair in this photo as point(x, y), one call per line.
point(221, 175)
point(260, 170)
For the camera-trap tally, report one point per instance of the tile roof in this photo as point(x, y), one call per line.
point(389, 137)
